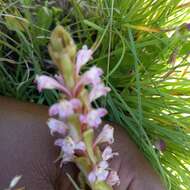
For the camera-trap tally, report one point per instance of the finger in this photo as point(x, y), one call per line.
point(26, 148)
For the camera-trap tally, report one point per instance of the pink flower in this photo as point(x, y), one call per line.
point(99, 173)
point(83, 56)
point(92, 76)
point(57, 126)
point(113, 178)
point(68, 147)
point(65, 108)
point(106, 135)
point(45, 82)
point(98, 91)
point(93, 118)
point(160, 145)
point(108, 154)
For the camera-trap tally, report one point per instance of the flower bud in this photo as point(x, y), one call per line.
point(62, 50)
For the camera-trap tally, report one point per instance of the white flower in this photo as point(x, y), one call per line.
point(57, 126)
point(98, 91)
point(64, 108)
point(83, 56)
point(106, 135)
point(68, 147)
point(108, 154)
point(113, 178)
point(93, 118)
point(99, 173)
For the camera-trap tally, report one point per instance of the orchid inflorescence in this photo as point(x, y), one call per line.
point(74, 117)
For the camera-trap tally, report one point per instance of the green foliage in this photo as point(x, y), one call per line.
point(143, 47)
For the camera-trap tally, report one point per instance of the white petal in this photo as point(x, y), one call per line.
point(92, 76)
point(103, 164)
point(106, 135)
point(80, 146)
point(93, 118)
point(102, 175)
point(113, 178)
point(64, 108)
point(54, 109)
point(46, 82)
point(57, 126)
point(108, 154)
point(98, 91)
point(83, 56)
point(67, 145)
point(92, 177)
point(14, 181)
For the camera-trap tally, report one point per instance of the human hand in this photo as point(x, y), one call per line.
point(26, 148)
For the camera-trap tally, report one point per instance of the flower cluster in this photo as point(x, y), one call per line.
point(74, 117)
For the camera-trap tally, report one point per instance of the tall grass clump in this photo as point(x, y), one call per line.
point(143, 47)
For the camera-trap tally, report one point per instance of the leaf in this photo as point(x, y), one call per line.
point(93, 25)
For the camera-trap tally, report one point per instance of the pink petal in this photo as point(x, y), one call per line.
point(98, 91)
point(113, 178)
point(83, 119)
point(160, 145)
point(67, 158)
point(67, 145)
point(102, 112)
point(99, 173)
point(92, 177)
point(64, 108)
point(102, 176)
point(106, 135)
point(80, 146)
point(108, 154)
point(83, 56)
point(102, 170)
point(54, 109)
point(103, 164)
point(56, 126)
point(93, 118)
point(59, 142)
point(76, 103)
point(45, 82)
point(92, 76)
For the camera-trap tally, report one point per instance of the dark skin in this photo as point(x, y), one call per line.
point(26, 148)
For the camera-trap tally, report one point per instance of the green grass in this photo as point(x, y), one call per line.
point(143, 47)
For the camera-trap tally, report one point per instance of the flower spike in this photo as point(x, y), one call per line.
point(74, 118)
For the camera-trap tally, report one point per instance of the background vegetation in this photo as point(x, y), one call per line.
point(143, 47)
